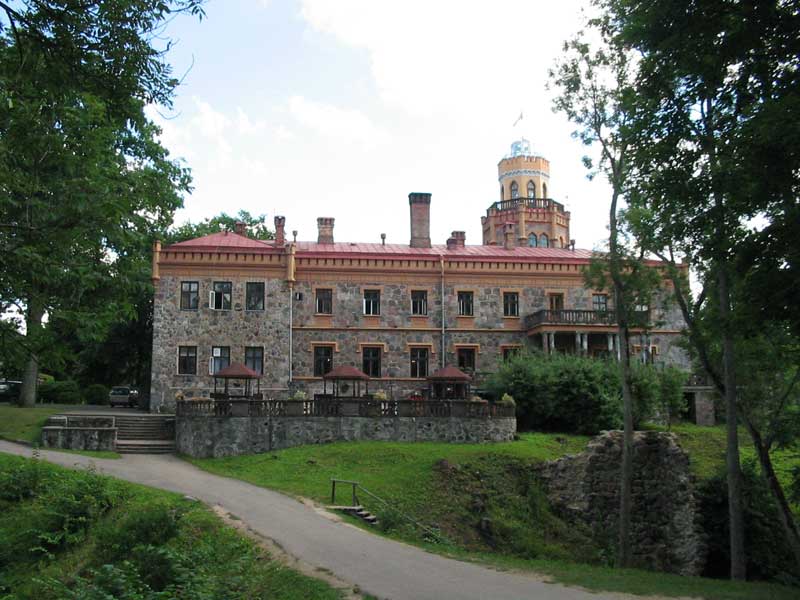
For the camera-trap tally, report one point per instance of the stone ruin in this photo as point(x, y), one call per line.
point(665, 535)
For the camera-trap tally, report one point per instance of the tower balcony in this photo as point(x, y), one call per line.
point(515, 203)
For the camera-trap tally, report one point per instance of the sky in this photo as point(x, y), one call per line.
point(341, 108)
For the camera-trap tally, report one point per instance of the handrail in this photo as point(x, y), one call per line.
point(513, 203)
point(437, 536)
point(580, 317)
point(332, 406)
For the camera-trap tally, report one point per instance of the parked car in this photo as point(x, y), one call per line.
point(123, 395)
point(9, 390)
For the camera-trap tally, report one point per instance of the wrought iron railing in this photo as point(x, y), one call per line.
point(328, 406)
point(514, 203)
point(580, 317)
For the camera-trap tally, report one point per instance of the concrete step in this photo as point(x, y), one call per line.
point(145, 447)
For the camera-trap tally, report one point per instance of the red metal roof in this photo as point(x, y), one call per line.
point(449, 373)
point(237, 371)
point(477, 252)
point(224, 240)
point(345, 372)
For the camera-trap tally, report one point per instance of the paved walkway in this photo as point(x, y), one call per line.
point(380, 567)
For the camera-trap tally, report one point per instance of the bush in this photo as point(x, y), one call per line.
point(574, 394)
point(561, 393)
point(60, 392)
point(768, 552)
point(153, 525)
point(96, 393)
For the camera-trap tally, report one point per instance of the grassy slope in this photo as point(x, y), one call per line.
point(200, 530)
point(25, 425)
point(406, 474)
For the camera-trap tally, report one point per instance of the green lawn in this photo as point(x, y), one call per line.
point(25, 425)
point(409, 475)
point(127, 541)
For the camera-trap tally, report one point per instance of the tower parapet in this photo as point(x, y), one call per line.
point(525, 201)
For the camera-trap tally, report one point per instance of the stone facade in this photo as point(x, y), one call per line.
point(664, 532)
point(289, 328)
point(204, 437)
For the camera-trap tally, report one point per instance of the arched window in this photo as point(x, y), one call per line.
point(531, 190)
point(532, 242)
point(544, 190)
point(514, 190)
point(544, 241)
point(502, 192)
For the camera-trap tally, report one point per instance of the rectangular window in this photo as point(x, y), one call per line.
point(510, 352)
point(466, 359)
point(372, 302)
point(323, 360)
point(556, 301)
point(510, 304)
point(187, 360)
point(254, 295)
point(221, 296)
point(465, 304)
point(190, 293)
point(419, 362)
point(254, 359)
point(220, 358)
point(324, 302)
point(419, 303)
point(371, 360)
point(599, 302)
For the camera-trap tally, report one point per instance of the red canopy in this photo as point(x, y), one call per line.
point(449, 374)
point(237, 371)
point(345, 372)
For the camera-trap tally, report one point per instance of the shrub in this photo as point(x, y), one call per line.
point(566, 393)
point(561, 393)
point(379, 395)
point(153, 525)
point(507, 400)
point(60, 392)
point(96, 393)
point(768, 552)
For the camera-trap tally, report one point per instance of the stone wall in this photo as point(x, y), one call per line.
point(488, 331)
point(236, 328)
point(204, 437)
point(80, 433)
point(664, 532)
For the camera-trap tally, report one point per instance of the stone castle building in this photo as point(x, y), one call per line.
point(292, 310)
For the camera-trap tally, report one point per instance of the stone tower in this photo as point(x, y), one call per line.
point(525, 201)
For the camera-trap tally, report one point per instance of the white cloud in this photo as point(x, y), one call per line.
point(339, 124)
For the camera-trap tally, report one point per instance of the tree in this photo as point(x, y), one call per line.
point(593, 85)
point(256, 227)
point(83, 180)
point(711, 154)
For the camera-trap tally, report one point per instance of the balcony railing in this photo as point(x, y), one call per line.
point(326, 406)
point(580, 317)
point(514, 203)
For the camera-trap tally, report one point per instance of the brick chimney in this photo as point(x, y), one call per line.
point(457, 239)
point(508, 232)
point(420, 219)
point(240, 227)
point(280, 233)
point(325, 230)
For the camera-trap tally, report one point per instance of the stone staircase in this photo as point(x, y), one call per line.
point(145, 434)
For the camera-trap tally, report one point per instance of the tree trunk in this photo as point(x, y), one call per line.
point(738, 561)
point(30, 377)
point(625, 496)
point(621, 312)
point(784, 511)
